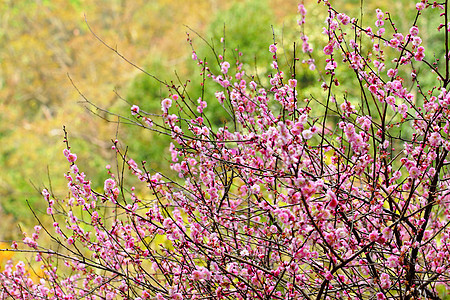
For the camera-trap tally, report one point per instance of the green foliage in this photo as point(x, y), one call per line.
point(246, 26)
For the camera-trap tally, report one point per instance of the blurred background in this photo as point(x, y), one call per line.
point(42, 41)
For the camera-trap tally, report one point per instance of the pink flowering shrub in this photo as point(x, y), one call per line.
point(341, 197)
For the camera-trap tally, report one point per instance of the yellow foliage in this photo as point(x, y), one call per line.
point(5, 255)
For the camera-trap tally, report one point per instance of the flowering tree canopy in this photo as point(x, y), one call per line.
point(338, 196)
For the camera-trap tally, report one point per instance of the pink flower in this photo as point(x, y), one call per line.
point(307, 134)
point(420, 54)
point(255, 189)
point(202, 105)
point(390, 100)
point(420, 6)
point(166, 104)
point(148, 121)
point(274, 65)
point(392, 261)
point(435, 139)
point(373, 236)
point(37, 228)
point(385, 281)
point(109, 184)
point(177, 296)
point(394, 43)
point(343, 18)
point(392, 72)
point(380, 296)
point(272, 48)
point(297, 128)
point(95, 217)
point(224, 67)
point(413, 31)
point(46, 194)
point(197, 275)
point(399, 37)
point(292, 83)
point(205, 273)
point(301, 9)
point(331, 197)
point(373, 89)
point(380, 14)
point(328, 49)
point(414, 172)
point(403, 109)
point(387, 233)
point(220, 96)
point(273, 229)
point(328, 275)
point(30, 242)
point(134, 110)
point(331, 65)
point(71, 157)
point(379, 23)
point(417, 41)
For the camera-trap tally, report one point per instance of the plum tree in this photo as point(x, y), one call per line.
point(343, 195)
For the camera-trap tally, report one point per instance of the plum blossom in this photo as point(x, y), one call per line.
point(301, 9)
point(224, 67)
point(273, 229)
point(331, 199)
point(273, 48)
point(71, 157)
point(435, 139)
point(403, 109)
point(166, 104)
point(392, 72)
point(328, 275)
point(134, 110)
point(420, 54)
point(385, 281)
point(343, 18)
point(420, 6)
point(414, 172)
point(344, 192)
point(328, 49)
point(307, 134)
point(414, 31)
point(373, 236)
point(255, 188)
point(109, 184)
point(381, 296)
